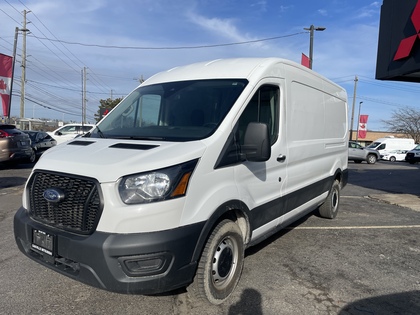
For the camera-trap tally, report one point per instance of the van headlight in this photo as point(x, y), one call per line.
point(158, 185)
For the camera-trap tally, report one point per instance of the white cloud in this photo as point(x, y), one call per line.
point(323, 12)
point(220, 27)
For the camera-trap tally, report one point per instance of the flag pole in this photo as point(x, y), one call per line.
point(13, 74)
point(358, 122)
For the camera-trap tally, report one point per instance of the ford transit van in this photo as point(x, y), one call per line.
point(194, 166)
point(387, 144)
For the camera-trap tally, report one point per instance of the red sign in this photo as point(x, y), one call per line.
point(362, 126)
point(305, 61)
point(407, 44)
point(6, 66)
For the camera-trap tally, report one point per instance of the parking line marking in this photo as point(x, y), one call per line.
point(353, 227)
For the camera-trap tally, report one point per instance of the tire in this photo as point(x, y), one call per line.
point(220, 265)
point(32, 158)
point(371, 159)
point(392, 159)
point(329, 208)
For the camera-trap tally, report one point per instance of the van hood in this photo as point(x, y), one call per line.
point(109, 159)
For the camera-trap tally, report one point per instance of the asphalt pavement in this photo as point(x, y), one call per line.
point(366, 261)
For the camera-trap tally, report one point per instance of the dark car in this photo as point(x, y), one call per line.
point(15, 145)
point(358, 154)
point(413, 156)
point(41, 141)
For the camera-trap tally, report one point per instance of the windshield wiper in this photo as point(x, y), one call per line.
point(100, 133)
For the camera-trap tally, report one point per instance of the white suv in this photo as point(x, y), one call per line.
point(69, 132)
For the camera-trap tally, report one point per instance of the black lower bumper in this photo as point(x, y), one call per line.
point(411, 158)
point(143, 263)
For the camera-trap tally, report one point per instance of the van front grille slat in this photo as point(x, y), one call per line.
point(80, 209)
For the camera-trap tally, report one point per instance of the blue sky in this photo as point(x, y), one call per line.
point(120, 41)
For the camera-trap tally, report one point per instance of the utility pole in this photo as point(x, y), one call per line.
point(352, 109)
point(23, 65)
point(84, 95)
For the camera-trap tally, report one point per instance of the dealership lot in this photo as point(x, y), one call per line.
point(366, 261)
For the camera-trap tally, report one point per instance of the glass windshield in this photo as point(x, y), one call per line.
point(174, 111)
point(373, 145)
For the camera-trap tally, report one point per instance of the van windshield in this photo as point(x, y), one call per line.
point(173, 111)
point(373, 145)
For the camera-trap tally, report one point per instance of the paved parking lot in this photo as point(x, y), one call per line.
point(366, 261)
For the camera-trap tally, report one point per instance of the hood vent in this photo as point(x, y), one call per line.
point(133, 146)
point(82, 143)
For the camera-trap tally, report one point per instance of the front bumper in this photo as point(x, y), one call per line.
point(412, 158)
point(142, 263)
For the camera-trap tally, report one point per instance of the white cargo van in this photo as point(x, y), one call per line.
point(390, 143)
point(194, 166)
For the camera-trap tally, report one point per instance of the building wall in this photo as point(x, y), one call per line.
point(373, 135)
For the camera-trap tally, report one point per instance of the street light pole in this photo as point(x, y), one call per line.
point(311, 30)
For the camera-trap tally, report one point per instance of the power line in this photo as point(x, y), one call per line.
point(170, 48)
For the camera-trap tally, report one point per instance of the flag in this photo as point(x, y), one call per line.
point(363, 126)
point(6, 66)
point(305, 61)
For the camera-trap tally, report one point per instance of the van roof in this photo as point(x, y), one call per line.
point(238, 68)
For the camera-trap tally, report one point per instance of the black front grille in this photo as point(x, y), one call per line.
point(410, 155)
point(78, 211)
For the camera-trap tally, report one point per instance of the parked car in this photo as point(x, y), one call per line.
point(358, 154)
point(40, 142)
point(394, 155)
point(413, 156)
point(69, 132)
point(14, 144)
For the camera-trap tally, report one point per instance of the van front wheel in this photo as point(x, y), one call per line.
point(220, 265)
point(329, 208)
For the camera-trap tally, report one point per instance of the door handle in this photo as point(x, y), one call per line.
point(281, 158)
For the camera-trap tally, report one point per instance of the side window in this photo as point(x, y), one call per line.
point(141, 113)
point(68, 129)
point(150, 107)
point(263, 108)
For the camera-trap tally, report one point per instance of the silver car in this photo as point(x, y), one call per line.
point(14, 144)
point(358, 154)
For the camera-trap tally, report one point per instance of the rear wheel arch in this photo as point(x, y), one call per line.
point(330, 207)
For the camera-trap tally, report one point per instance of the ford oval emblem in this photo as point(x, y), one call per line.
point(53, 194)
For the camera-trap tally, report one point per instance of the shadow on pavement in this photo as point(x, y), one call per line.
point(390, 180)
point(7, 182)
point(398, 303)
point(250, 303)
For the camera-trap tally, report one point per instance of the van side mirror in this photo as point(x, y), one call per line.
point(256, 147)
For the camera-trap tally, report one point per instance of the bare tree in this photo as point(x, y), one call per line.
point(405, 120)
